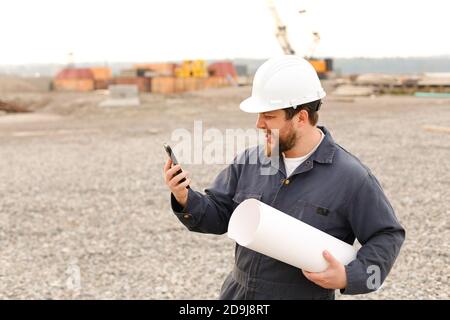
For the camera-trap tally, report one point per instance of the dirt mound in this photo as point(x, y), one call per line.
point(11, 107)
point(18, 84)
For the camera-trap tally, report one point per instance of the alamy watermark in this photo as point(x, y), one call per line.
point(73, 281)
point(374, 280)
point(214, 146)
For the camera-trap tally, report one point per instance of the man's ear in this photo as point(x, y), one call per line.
point(303, 117)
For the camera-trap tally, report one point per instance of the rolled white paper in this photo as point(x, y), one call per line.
point(264, 229)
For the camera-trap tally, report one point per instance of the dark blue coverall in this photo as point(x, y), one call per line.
point(332, 191)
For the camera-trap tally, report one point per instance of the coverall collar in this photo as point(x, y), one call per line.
point(325, 151)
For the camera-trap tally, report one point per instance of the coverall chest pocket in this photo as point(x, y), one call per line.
point(317, 216)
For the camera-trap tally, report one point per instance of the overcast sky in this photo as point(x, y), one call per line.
point(139, 30)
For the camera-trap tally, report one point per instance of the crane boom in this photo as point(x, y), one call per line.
point(281, 33)
point(323, 67)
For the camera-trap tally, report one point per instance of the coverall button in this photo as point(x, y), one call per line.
point(187, 216)
point(286, 181)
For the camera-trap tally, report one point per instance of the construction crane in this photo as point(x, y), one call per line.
point(323, 67)
point(314, 45)
point(281, 33)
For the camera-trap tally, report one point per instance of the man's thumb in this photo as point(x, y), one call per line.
point(328, 257)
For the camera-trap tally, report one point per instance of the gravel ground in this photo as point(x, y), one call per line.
point(84, 212)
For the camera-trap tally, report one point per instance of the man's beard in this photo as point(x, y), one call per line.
point(283, 144)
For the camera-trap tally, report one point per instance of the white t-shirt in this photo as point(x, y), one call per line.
point(292, 163)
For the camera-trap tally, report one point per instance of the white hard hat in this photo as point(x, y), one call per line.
point(283, 82)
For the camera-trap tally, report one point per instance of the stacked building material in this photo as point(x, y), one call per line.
point(377, 79)
point(436, 79)
point(102, 77)
point(222, 69)
point(400, 83)
point(156, 69)
point(164, 78)
point(163, 85)
point(142, 83)
point(167, 85)
point(216, 82)
point(74, 79)
point(192, 75)
point(192, 69)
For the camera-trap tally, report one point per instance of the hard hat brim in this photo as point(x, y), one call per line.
point(252, 105)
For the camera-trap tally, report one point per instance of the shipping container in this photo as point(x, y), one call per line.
point(192, 69)
point(164, 85)
point(74, 79)
point(190, 84)
point(75, 73)
point(102, 84)
point(128, 73)
point(161, 69)
point(222, 69)
point(73, 85)
point(101, 73)
point(179, 85)
point(143, 84)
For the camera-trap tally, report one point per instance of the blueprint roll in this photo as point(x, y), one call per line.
point(262, 228)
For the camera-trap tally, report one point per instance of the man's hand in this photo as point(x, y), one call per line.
point(334, 277)
point(178, 189)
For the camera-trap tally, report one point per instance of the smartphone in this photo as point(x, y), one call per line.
point(174, 160)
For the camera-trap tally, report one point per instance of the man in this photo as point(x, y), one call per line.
point(316, 181)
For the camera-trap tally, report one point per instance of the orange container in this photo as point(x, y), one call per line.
point(74, 79)
point(143, 84)
point(74, 84)
point(319, 65)
point(101, 84)
point(201, 83)
point(190, 84)
point(179, 85)
point(164, 85)
point(101, 73)
point(222, 69)
point(216, 82)
point(163, 69)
